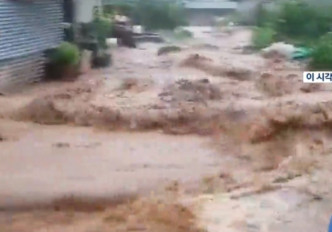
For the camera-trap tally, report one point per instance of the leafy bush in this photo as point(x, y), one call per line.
point(322, 54)
point(102, 29)
point(300, 19)
point(263, 37)
point(67, 54)
point(265, 17)
point(154, 14)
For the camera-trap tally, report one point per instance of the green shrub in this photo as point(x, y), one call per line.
point(263, 37)
point(298, 19)
point(265, 17)
point(153, 14)
point(102, 29)
point(322, 54)
point(298, 22)
point(67, 54)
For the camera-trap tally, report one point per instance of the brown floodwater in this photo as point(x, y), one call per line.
point(42, 163)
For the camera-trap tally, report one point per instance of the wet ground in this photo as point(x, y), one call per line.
point(235, 137)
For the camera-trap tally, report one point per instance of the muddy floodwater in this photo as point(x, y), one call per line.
point(211, 136)
point(43, 163)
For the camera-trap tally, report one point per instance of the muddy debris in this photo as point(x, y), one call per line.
point(261, 190)
point(43, 111)
point(206, 46)
point(129, 83)
point(100, 117)
point(155, 215)
point(260, 132)
point(61, 145)
point(223, 182)
point(276, 84)
point(273, 85)
point(71, 93)
point(135, 84)
point(86, 204)
point(207, 65)
point(286, 116)
point(131, 215)
point(310, 88)
point(198, 91)
point(192, 120)
point(186, 110)
point(168, 49)
point(302, 162)
point(76, 89)
point(182, 116)
point(246, 49)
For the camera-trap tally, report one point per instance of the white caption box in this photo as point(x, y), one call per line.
point(317, 77)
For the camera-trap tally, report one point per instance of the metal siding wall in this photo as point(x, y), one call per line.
point(26, 30)
point(19, 71)
point(29, 27)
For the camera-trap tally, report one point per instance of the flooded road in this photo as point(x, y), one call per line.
point(44, 163)
point(239, 132)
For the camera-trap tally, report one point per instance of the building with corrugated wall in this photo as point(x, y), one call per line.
point(27, 29)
